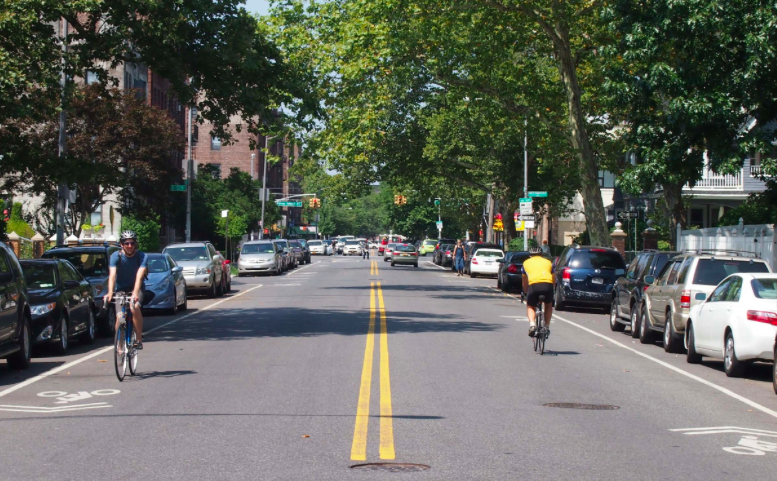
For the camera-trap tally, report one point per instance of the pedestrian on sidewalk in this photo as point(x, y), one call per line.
point(459, 256)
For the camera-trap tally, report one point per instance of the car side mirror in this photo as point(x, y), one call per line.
point(72, 284)
point(177, 269)
point(650, 280)
point(700, 296)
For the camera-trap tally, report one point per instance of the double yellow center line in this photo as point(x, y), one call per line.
point(359, 446)
point(373, 268)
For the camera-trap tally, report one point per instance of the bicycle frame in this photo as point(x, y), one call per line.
point(125, 330)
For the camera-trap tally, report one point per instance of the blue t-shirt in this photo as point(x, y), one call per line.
point(127, 270)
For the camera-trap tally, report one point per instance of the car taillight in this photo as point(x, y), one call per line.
point(512, 269)
point(566, 274)
point(762, 316)
point(447, 253)
point(414, 253)
point(645, 287)
point(685, 299)
point(474, 260)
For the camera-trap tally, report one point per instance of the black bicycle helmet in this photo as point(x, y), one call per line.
point(128, 234)
point(535, 250)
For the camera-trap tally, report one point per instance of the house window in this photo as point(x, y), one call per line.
point(606, 179)
point(697, 217)
point(216, 171)
point(215, 143)
point(91, 77)
point(97, 216)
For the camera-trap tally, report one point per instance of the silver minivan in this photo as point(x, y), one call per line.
point(260, 256)
point(202, 266)
point(686, 280)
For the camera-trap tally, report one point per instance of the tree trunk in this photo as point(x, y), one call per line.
point(596, 220)
point(508, 221)
point(674, 210)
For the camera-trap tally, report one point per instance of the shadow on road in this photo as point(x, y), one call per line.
point(205, 415)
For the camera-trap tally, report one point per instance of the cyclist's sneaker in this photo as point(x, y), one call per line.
point(532, 330)
point(547, 332)
point(138, 345)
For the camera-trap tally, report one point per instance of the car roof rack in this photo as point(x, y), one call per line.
point(713, 252)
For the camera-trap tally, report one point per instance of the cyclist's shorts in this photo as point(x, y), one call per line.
point(537, 290)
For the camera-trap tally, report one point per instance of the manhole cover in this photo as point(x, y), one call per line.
point(391, 467)
point(590, 407)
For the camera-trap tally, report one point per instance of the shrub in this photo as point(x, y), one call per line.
point(147, 231)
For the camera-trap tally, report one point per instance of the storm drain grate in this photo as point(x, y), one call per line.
point(391, 467)
point(590, 407)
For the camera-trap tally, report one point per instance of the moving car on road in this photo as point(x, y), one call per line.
point(202, 266)
point(352, 247)
point(92, 263)
point(387, 251)
point(427, 247)
point(737, 323)
point(485, 261)
point(404, 254)
point(317, 247)
point(509, 276)
point(61, 303)
point(669, 298)
point(585, 275)
point(165, 279)
point(260, 256)
point(628, 290)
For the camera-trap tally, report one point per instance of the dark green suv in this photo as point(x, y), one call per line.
point(15, 318)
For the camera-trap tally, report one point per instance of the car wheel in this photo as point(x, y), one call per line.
point(558, 300)
point(645, 334)
point(174, 309)
point(89, 334)
point(671, 341)
point(109, 325)
point(733, 366)
point(213, 290)
point(615, 324)
point(185, 304)
point(499, 283)
point(21, 359)
point(691, 356)
point(392, 264)
point(240, 274)
point(415, 265)
point(634, 321)
point(472, 275)
point(61, 347)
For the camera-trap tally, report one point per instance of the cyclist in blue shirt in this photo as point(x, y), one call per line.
point(128, 268)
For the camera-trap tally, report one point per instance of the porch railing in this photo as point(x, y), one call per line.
point(714, 181)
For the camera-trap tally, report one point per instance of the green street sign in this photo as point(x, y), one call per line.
point(540, 193)
point(178, 188)
point(525, 200)
point(286, 203)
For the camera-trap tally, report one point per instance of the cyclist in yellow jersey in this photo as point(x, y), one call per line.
point(537, 280)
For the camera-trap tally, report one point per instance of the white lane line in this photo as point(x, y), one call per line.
point(300, 269)
point(435, 265)
point(96, 353)
point(725, 391)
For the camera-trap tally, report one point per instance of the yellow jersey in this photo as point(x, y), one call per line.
point(538, 269)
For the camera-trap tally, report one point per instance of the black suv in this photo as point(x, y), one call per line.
point(585, 275)
point(92, 263)
point(627, 292)
point(15, 317)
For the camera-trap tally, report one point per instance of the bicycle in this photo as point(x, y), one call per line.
point(125, 353)
point(541, 334)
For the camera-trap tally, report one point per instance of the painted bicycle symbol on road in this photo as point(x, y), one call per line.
point(64, 398)
point(750, 443)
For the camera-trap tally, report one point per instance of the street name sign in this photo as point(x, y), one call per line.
point(628, 215)
point(286, 203)
point(439, 224)
point(177, 188)
point(539, 193)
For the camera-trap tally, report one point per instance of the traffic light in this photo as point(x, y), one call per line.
point(402, 200)
point(312, 203)
point(397, 199)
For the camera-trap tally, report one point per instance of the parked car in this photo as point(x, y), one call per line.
point(226, 269)
point(737, 323)
point(585, 275)
point(387, 251)
point(509, 276)
point(305, 250)
point(92, 263)
point(404, 254)
point(628, 290)
point(668, 300)
point(290, 261)
point(485, 261)
point(443, 255)
point(427, 247)
point(317, 247)
point(260, 256)
point(202, 266)
point(470, 248)
point(330, 248)
point(352, 247)
point(166, 282)
point(61, 303)
point(300, 252)
point(15, 316)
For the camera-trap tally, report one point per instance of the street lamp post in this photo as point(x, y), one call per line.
point(525, 175)
point(264, 187)
point(189, 180)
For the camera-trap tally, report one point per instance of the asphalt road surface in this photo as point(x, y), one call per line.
point(347, 361)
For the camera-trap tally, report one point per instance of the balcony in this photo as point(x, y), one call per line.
point(714, 181)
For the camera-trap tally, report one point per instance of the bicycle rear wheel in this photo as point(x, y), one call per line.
point(542, 338)
point(133, 354)
point(535, 341)
point(120, 352)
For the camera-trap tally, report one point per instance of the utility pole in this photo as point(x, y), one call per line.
point(62, 189)
point(253, 157)
point(264, 186)
point(525, 175)
point(189, 180)
point(490, 228)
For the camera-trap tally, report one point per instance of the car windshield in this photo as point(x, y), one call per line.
point(430, 242)
point(391, 246)
point(314, 243)
point(295, 244)
point(405, 248)
point(516, 257)
point(352, 243)
point(39, 276)
point(709, 272)
point(157, 265)
point(597, 259)
point(188, 253)
point(265, 248)
point(89, 264)
point(764, 288)
point(488, 253)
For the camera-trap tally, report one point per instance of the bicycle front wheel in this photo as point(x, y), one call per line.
point(120, 352)
point(133, 354)
point(535, 340)
point(542, 342)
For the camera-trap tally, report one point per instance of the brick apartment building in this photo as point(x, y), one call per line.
point(210, 150)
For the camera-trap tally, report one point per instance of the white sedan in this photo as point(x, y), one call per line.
point(485, 262)
point(737, 323)
point(317, 247)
